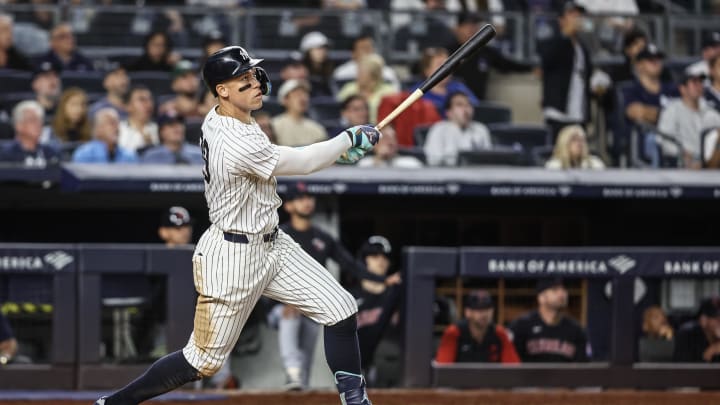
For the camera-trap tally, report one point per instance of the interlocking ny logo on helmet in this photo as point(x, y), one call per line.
point(229, 62)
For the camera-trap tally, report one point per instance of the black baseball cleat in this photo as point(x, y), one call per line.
point(351, 388)
point(100, 401)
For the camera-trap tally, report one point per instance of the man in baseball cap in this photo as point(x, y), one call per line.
point(548, 334)
point(175, 226)
point(476, 338)
point(699, 340)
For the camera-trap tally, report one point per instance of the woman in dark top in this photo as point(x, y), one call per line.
point(157, 54)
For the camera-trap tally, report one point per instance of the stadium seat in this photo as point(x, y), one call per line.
point(520, 137)
point(498, 156)
point(273, 107)
point(488, 112)
point(324, 109)
point(541, 154)
point(91, 82)
point(414, 151)
point(192, 131)
point(6, 130)
point(420, 135)
point(9, 100)
point(14, 81)
point(157, 82)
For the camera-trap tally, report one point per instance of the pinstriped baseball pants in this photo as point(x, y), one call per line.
point(231, 277)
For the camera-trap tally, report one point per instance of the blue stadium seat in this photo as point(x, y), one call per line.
point(498, 156)
point(489, 112)
point(420, 134)
point(91, 82)
point(14, 81)
point(157, 82)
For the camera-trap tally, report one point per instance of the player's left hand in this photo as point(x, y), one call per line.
point(351, 156)
point(363, 136)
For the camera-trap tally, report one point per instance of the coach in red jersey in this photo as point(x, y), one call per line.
point(476, 338)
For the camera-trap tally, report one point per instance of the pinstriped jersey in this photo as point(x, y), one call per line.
point(240, 190)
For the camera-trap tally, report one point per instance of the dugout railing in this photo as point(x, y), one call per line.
point(77, 299)
point(424, 266)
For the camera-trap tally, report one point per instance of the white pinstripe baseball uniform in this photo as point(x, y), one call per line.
point(243, 255)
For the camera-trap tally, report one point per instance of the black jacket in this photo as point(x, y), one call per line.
point(557, 57)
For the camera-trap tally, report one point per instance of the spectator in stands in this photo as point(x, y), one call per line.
point(173, 149)
point(314, 47)
point(116, 84)
point(378, 301)
point(292, 128)
point(353, 111)
point(369, 84)
point(47, 87)
point(571, 151)
point(362, 45)
point(458, 132)
point(104, 148)
point(213, 42)
point(385, 153)
point(264, 120)
point(71, 122)
point(157, 54)
point(138, 131)
point(8, 343)
point(292, 68)
point(418, 114)
point(547, 334)
point(710, 49)
point(431, 60)
point(699, 340)
point(645, 97)
point(656, 344)
point(475, 72)
point(10, 57)
point(186, 86)
point(685, 118)
point(634, 41)
point(712, 87)
point(26, 148)
point(476, 338)
point(63, 51)
point(422, 30)
point(566, 69)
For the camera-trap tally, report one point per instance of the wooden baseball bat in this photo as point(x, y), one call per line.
point(467, 50)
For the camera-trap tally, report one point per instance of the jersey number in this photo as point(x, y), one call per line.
point(206, 157)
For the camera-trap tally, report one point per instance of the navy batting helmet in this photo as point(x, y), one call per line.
point(229, 62)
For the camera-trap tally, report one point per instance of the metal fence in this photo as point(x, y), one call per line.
point(400, 35)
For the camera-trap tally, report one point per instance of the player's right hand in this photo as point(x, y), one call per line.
point(363, 136)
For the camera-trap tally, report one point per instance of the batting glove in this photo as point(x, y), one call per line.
point(351, 156)
point(363, 136)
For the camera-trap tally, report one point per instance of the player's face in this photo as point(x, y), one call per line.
point(479, 318)
point(555, 298)
point(242, 91)
point(303, 206)
point(174, 236)
point(377, 264)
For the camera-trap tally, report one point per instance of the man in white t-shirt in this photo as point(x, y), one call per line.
point(457, 133)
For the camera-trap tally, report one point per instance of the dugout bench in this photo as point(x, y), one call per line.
point(423, 266)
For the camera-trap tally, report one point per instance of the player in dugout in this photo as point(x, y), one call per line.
point(476, 338)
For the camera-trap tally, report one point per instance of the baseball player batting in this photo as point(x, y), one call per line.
point(243, 254)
